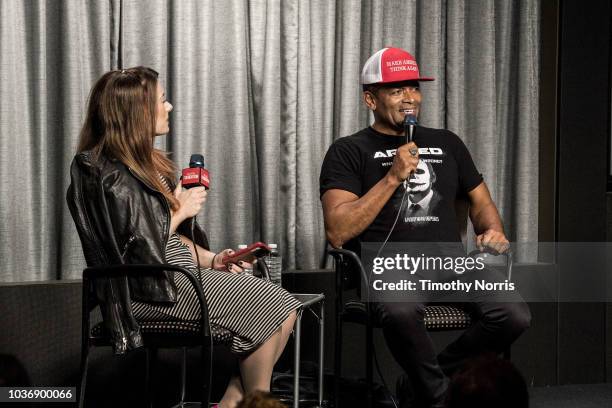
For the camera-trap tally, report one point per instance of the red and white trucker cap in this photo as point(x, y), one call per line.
point(391, 65)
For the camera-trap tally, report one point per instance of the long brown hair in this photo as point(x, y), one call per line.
point(120, 124)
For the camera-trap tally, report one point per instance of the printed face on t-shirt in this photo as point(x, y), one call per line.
point(421, 179)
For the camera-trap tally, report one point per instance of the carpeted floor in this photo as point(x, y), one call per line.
point(572, 396)
point(562, 396)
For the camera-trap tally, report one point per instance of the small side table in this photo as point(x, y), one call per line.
point(308, 301)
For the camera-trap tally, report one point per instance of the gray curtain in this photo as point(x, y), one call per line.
point(50, 53)
point(261, 88)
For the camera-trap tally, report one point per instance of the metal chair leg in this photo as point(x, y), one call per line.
point(207, 376)
point(321, 350)
point(84, 366)
point(183, 376)
point(369, 368)
point(337, 361)
point(150, 355)
point(296, 360)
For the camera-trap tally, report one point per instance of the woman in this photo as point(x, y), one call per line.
point(150, 220)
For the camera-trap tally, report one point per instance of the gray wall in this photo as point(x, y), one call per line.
point(40, 324)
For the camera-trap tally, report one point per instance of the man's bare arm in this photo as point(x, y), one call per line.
point(347, 215)
point(486, 220)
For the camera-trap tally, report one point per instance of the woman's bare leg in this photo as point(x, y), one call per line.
point(256, 369)
point(233, 393)
point(286, 329)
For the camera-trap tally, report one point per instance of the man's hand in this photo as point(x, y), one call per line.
point(346, 215)
point(486, 220)
point(494, 240)
point(405, 162)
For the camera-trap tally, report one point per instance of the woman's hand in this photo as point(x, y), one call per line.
point(220, 266)
point(191, 201)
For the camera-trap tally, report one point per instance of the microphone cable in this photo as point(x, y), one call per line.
point(199, 275)
point(409, 123)
point(369, 275)
point(195, 249)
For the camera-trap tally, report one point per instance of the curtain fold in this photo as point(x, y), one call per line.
point(261, 88)
point(50, 52)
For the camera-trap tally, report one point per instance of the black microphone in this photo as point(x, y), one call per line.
point(196, 160)
point(410, 121)
point(196, 175)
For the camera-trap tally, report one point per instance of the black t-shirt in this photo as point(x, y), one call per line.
point(446, 171)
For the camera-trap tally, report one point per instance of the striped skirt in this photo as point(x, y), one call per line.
point(252, 309)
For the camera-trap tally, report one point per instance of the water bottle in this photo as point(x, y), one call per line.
point(247, 271)
point(275, 264)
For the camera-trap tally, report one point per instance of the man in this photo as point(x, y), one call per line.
point(361, 193)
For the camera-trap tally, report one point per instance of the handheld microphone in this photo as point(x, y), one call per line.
point(410, 121)
point(196, 175)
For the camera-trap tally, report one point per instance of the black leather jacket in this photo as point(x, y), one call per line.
point(122, 220)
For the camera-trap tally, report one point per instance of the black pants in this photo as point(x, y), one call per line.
point(500, 321)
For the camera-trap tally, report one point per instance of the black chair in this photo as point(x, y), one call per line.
point(156, 334)
point(350, 272)
point(106, 271)
point(439, 317)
